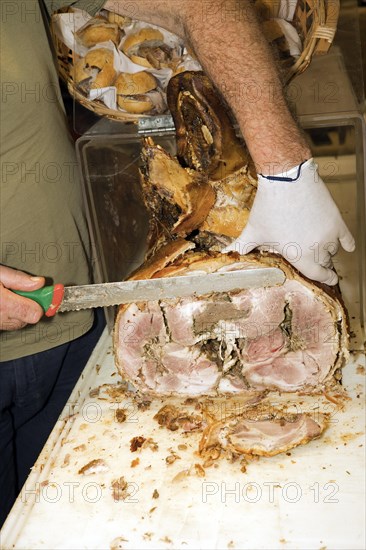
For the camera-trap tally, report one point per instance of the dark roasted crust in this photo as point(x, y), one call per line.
point(194, 104)
point(178, 200)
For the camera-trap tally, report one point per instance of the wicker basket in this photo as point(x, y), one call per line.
point(314, 20)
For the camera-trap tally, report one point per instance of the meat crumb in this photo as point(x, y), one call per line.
point(182, 447)
point(80, 447)
point(243, 465)
point(94, 467)
point(171, 458)
point(135, 462)
point(180, 476)
point(66, 461)
point(121, 415)
point(151, 444)
point(117, 543)
point(143, 405)
point(136, 443)
point(155, 494)
point(199, 471)
point(190, 401)
point(210, 455)
point(172, 418)
point(119, 489)
point(116, 391)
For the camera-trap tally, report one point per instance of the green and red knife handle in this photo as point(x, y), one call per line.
point(48, 297)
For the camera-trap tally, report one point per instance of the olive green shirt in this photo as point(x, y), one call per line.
point(42, 224)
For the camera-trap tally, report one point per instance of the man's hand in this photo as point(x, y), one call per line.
point(16, 311)
point(298, 219)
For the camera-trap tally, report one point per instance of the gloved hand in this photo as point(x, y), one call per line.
point(298, 219)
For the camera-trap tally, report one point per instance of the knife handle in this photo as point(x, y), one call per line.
point(48, 297)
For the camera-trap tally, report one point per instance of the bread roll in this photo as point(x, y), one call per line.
point(121, 20)
point(95, 70)
point(135, 84)
point(146, 36)
point(99, 57)
point(135, 104)
point(99, 31)
point(132, 92)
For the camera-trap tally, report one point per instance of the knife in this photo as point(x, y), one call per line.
point(58, 298)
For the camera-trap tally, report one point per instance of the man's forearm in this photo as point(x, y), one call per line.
point(233, 52)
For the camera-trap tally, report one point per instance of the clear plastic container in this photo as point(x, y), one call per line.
point(109, 158)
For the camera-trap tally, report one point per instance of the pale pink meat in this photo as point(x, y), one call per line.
point(266, 310)
point(265, 348)
point(186, 371)
point(283, 338)
point(180, 318)
point(271, 436)
point(139, 326)
point(287, 373)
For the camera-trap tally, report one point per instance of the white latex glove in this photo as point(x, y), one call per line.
point(298, 219)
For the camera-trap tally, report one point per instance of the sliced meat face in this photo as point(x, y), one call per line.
point(187, 371)
point(180, 320)
point(141, 325)
point(265, 437)
point(286, 338)
point(287, 373)
point(265, 348)
point(272, 436)
point(303, 358)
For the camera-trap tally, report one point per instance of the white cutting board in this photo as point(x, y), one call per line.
point(312, 498)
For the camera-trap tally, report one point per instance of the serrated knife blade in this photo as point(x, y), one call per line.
point(126, 292)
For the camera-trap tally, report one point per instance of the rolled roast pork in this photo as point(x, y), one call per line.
point(289, 338)
point(241, 345)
